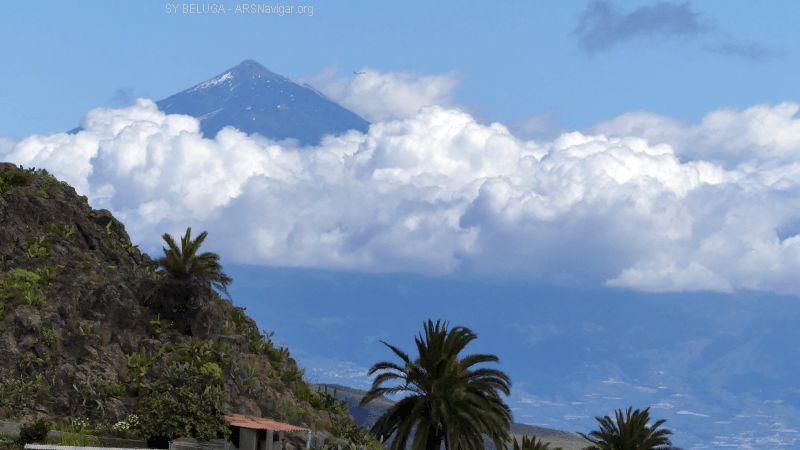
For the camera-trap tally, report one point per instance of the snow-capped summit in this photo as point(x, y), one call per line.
point(256, 100)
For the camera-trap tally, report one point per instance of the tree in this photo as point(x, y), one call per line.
point(533, 444)
point(186, 265)
point(630, 430)
point(448, 399)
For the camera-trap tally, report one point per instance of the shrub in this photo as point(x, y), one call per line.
point(158, 325)
point(173, 406)
point(49, 182)
point(77, 433)
point(19, 395)
point(21, 287)
point(48, 337)
point(8, 443)
point(290, 374)
point(126, 428)
point(66, 232)
point(34, 433)
point(13, 178)
point(36, 247)
point(211, 369)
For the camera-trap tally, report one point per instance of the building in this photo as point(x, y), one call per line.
point(260, 433)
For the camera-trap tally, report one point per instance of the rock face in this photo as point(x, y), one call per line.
point(85, 320)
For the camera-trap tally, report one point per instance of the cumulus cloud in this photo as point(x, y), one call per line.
point(729, 136)
point(379, 96)
point(439, 193)
point(6, 143)
point(540, 126)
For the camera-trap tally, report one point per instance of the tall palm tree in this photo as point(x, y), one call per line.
point(533, 444)
point(185, 264)
point(448, 399)
point(630, 431)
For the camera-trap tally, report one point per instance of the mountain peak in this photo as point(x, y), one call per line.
point(250, 64)
point(254, 99)
point(252, 68)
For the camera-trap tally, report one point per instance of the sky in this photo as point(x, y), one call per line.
point(516, 60)
point(605, 191)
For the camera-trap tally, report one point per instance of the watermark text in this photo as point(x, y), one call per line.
point(244, 9)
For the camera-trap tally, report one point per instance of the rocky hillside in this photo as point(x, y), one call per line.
point(91, 331)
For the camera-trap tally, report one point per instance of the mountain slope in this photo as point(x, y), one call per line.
point(256, 100)
point(367, 415)
point(89, 330)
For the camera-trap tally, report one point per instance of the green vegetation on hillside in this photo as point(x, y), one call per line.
point(94, 332)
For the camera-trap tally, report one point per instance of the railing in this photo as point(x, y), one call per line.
point(73, 447)
point(193, 445)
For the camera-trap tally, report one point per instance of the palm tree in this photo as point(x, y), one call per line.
point(448, 399)
point(185, 265)
point(533, 444)
point(630, 431)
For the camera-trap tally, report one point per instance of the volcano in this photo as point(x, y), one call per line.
point(254, 99)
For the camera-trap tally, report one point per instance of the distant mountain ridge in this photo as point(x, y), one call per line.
point(366, 416)
point(256, 100)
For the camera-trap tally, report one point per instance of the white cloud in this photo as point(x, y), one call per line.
point(662, 405)
point(540, 126)
point(438, 192)
point(730, 136)
point(667, 277)
point(6, 143)
point(379, 96)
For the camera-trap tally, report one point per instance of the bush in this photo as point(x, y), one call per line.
point(77, 433)
point(21, 286)
point(13, 178)
point(19, 395)
point(173, 406)
point(34, 433)
point(8, 443)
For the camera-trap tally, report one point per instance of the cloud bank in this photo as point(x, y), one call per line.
point(649, 204)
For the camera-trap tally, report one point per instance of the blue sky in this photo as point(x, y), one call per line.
point(516, 60)
point(626, 234)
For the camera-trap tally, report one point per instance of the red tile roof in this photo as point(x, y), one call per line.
point(261, 423)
